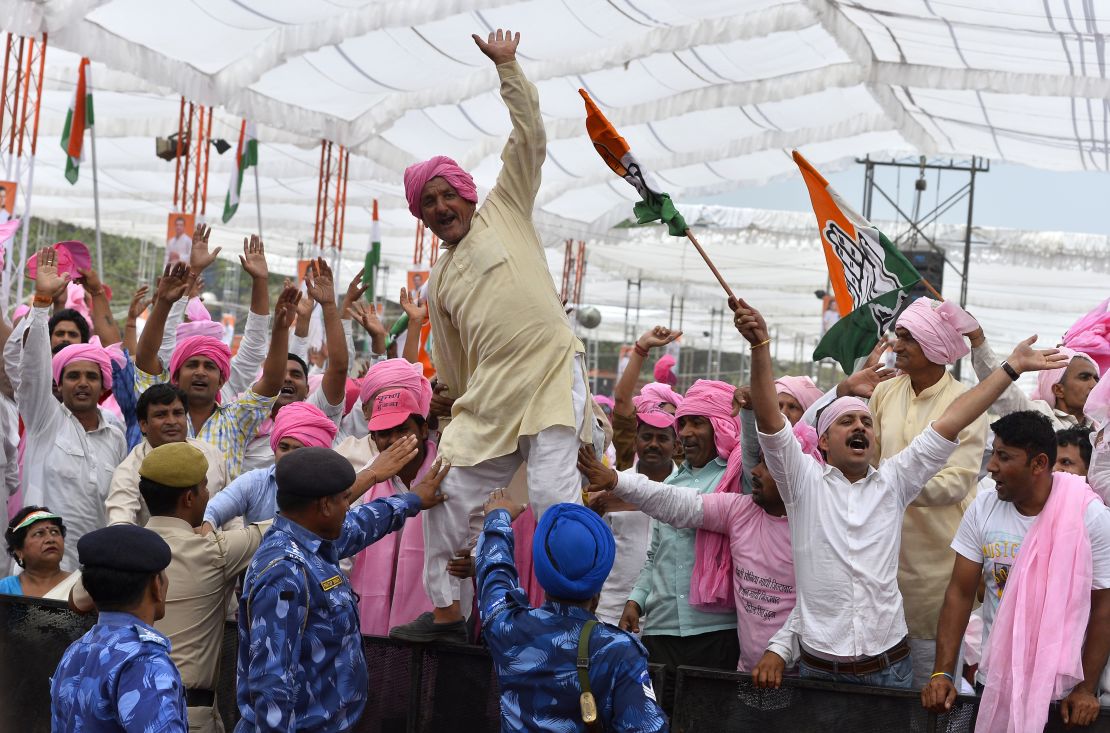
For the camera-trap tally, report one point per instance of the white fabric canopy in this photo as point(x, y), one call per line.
point(711, 95)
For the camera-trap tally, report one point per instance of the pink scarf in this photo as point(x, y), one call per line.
point(1091, 335)
point(711, 580)
point(1034, 651)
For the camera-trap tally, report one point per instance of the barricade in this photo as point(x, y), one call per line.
point(432, 688)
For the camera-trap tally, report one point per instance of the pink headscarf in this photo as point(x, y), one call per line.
point(711, 581)
point(398, 373)
point(663, 370)
point(800, 388)
point(441, 166)
point(304, 422)
point(196, 311)
point(841, 405)
point(206, 346)
point(1049, 378)
point(939, 328)
point(83, 352)
point(661, 393)
point(211, 329)
point(75, 300)
point(350, 394)
point(1091, 335)
point(605, 401)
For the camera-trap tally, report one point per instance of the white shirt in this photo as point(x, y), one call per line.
point(846, 538)
point(65, 468)
point(178, 249)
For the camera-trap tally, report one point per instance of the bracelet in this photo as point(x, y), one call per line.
point(761, 343)
point(640, 350)
point(44, 300)
point(938, 674)
point(1010, 371)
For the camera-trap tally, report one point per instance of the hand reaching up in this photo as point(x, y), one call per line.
point(199, 256)
point(48, 281)
point(748, 321)
point(173, 284)
point(1025, 358)
point(414, 306)
point(253, 259)
point(500, 47)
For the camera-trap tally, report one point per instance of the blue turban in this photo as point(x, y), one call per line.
point(572, 552)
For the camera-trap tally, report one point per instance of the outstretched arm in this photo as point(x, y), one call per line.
point(497, 574)
point(103, 324)
point(273, 369)
point(765, 401)
point(318, 280)
point(416, 308)
point(172, 285)
point(626, 385)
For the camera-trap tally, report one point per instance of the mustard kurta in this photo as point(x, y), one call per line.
point(925, 561)
point(501, 340)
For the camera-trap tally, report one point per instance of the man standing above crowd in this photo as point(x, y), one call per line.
point(846, 517)
point(503, 344)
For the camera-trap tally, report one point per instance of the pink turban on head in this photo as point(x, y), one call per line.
point(663, 370)
point(441, 166)
point(841, 405)
point(1091, 335)
point(648, 411)
point(83, 352)
point(206, 346)
point(661, 393)
point(939, 330)
point(304, 422)
point(1049, 378)
point(605, 401)
point(800, 388)
point(211, 329)
point(398, 373)
point(711, 582)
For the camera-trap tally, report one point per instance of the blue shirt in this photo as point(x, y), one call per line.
point(536, 652)
point(11, 586)
point(300, 665)
point(252, 496)
point(123, 389)
point(118, 677)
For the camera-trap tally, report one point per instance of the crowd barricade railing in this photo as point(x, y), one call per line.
point(434, 687)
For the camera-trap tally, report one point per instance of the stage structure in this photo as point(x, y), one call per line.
point(331, 204)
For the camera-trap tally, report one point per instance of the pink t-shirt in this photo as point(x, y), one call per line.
point(763, 567)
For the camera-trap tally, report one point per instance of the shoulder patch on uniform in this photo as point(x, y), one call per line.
point(645, 683)
point(331, 582)
point(148, 635)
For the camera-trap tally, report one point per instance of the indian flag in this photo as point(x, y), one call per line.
point(373, 255)
point(614, 150)
point(246, 155)
point(78, 118)
point(869, 275)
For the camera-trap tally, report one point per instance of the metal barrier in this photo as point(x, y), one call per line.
point(432, 688)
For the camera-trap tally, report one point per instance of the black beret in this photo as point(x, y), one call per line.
point(124, 547)
point(314, 472)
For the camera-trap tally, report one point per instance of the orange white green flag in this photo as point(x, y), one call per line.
point(79, 118)
point(870, 277)
point(614, 150)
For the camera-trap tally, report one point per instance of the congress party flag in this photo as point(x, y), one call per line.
point(78, 119)
point(869, 276)
point(246, 155)
point(614, 150)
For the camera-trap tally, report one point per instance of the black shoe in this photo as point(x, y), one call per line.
point(424, 629)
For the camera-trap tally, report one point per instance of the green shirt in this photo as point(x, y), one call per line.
point(663, 588)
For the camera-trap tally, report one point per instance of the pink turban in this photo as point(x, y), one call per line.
point(800, 388)
point(350, 394)
point(20, 310)
point(605, 401)
point(83, 352)
point(840, 406)
point(1049, 378)
point(398, 373)
point(443, 167)
point(206, 346)
point(115, 351)
point(711, 581)
point(807, 438)
point(661, 393)
point(939, 330)
point(649, 412)
point(75, 300)
point(1091, 335)
point(196, 311)
point(663, 370)
point(304, 422)
point(211, 329)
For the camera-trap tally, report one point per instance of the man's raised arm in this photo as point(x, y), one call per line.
point(172, 285)
point(765, 401)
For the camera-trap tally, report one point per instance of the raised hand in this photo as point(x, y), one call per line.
point(428, 487)
point(90, 280)
point(367, 317)
point(599, 476)
point(196, 287)
point(498, 500)
point(394, 458)
point(199, 256)
point(876, 355)
point(48, 281)
point(741, 399)
point(415, 306)
point(253, 259)
point(862, 383)
point(658, 336)
point(500, 47)
point(285, 310)
point(174, 282)
point(318, 281)
point(1025, 358)
point(355, 291)
point(748, 321)
point(139, 303)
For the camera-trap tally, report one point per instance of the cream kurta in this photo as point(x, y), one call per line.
point(930, 523)
point(125, 504)
point(501, 339)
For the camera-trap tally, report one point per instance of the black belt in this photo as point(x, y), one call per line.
point(197, 698)
point(865, 665)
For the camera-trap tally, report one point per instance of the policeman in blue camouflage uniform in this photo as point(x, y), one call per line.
point(300, 665)
point(119, 676)
point(537, 650)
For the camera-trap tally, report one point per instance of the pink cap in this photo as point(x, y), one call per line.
point(650, 412)
point(391, 407)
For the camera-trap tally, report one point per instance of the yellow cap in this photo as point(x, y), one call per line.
point(177, 465)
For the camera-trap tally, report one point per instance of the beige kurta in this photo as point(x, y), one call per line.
point(501, 339)
point(125, 504)
point(925, 560)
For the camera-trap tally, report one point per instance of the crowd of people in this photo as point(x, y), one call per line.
point(901, 530)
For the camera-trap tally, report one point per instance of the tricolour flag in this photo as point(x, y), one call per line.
point(246, 155)
point(373, 255)
point(869, 275)
point(78, 118)
point(614, 150)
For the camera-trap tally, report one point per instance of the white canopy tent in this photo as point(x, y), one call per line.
point(711, 94)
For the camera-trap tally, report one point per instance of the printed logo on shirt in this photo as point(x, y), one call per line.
point(757, 589)
point(331, 582)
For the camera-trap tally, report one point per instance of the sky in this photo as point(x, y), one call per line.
point(1009, 195)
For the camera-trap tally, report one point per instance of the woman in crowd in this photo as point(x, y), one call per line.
point(36, 540)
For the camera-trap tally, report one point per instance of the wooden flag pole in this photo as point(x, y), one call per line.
point(929, 286)
point(712, 267)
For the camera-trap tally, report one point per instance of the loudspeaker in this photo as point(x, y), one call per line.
point(930, 265)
